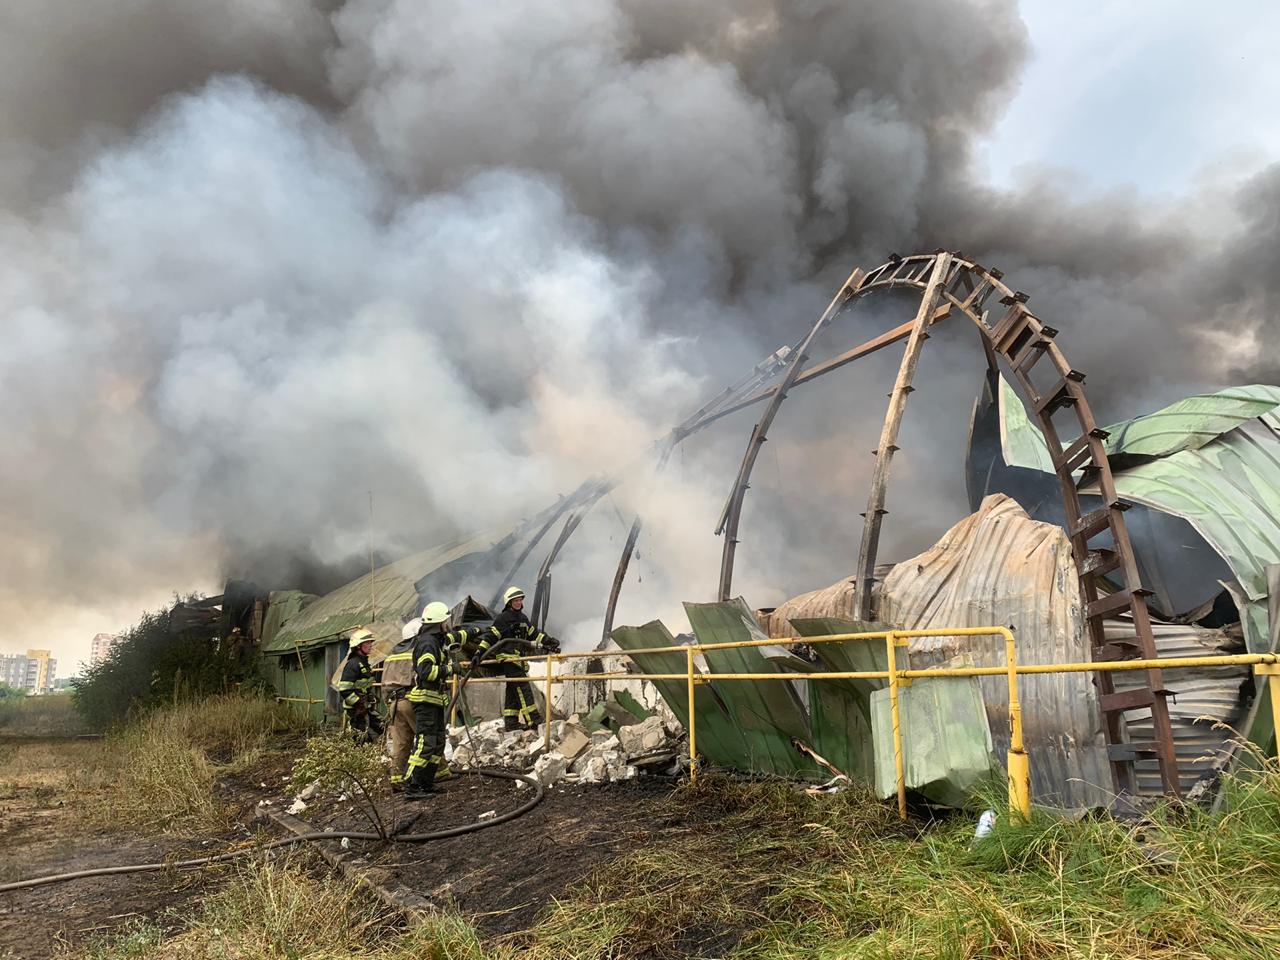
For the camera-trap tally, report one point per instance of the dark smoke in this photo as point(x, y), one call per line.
point(260, 258)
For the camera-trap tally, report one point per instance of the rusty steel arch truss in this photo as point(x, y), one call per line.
point(949, 284)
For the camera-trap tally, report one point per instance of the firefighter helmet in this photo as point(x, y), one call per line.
point(512, 593)
point(410, 629)
point(435, 612)
point(361, 635)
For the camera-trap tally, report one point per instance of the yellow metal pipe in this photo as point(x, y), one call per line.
point(891, 643)
point(1272, 672)
point(454, 684)
point(693, 719)
point(1018, 763)
point(547, 719)
point(1172, 663)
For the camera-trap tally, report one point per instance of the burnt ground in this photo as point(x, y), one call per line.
point(499, 877)
point(43, 831)
point(502, 876)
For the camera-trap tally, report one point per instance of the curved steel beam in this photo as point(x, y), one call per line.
point(733, 509)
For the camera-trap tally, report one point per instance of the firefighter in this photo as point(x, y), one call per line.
point(397, 681)
point(522, 639)
point(356, 688)
point(434, 658)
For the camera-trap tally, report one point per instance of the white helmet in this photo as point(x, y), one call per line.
point(512, 593)
point(435, 612)
point(410, 629)
point(360, 635)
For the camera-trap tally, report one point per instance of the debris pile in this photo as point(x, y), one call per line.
point(586, 750)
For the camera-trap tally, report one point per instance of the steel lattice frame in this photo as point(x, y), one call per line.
point(949, 284)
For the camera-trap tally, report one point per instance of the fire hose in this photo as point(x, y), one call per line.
point(539, 792)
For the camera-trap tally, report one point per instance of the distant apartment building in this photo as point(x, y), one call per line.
point(101, 647)
point(13, 670)
point(33, 673)
point(41, 668)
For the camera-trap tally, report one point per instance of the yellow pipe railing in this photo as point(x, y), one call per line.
point(1019, 788)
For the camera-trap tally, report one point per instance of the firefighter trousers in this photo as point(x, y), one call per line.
point(403, 727)
point(519, 708)
point(364, 723)
point(428, 745)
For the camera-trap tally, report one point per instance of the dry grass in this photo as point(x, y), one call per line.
point(159, 770)
point(48, 716)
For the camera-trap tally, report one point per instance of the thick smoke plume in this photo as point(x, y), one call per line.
point(258, 259)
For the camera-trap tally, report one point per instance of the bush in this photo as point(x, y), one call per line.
point(153, 665)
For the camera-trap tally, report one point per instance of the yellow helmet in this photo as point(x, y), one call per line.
point(512, 593)
point(435, 612)
point(360, 635)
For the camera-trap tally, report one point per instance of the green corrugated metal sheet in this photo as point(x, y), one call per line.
point(840, 710)
point(1020, 439)
point(1229, 491)
point(946, 743)
point(390, 588)
point(1226, 485)
point(719, 740)
point(768, 713)
point(1191, 423)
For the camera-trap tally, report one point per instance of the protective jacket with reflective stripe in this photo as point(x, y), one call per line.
point(523, 638)
point(356, 682)
point(433, 655)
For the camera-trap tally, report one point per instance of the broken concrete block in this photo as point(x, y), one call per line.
point(643, 737)
point(297, 806)
point(573, 741)
point(593, 770)
point(309, 791)
point(550, 768)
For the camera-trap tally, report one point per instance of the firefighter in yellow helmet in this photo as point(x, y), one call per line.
point(433, 664)
point(356, 688)
point(522, 639)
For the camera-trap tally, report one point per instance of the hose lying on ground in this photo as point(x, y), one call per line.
point(539, 792)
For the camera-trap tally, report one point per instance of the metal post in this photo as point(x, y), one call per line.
point(453, 710)
point(891, 643)
point(1019, 763)
point(547, 720)
point(1269, 673)
point(693, 721)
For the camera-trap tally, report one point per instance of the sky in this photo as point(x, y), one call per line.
point(1142, 106)
point(1142, 96)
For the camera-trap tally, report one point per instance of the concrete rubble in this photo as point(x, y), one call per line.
point(577, 755)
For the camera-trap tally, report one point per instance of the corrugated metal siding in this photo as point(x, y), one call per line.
point(833, 602)
point(1225, 484)
point(1000, 568)
point(1191, 423)
point(392, 588)
point(1201, 699)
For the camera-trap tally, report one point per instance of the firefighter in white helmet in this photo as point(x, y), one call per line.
point(356, 688)
point(397, 681)
point(433, 664)
point(520, 638)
